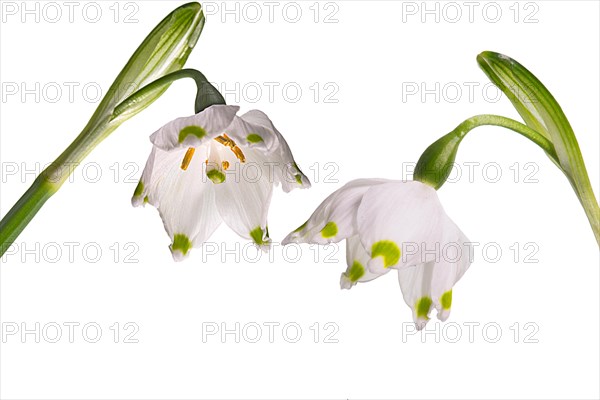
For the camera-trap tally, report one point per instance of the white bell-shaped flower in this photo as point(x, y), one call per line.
point(397, 225)
point(215, 166)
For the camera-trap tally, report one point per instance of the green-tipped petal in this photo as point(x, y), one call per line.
point(388, 250)
point(330, 230)
point(180, 247)
point(357, 259)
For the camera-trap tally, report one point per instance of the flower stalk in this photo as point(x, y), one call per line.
point(545, 124)
point(206, 94)
point(436, 162)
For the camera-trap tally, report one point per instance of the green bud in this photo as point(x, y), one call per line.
point(165, 50)
point(436, 162)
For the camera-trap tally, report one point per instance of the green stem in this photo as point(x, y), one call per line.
point(585, 193)
point(435, 164)
point(48, 183)
point(23, 211)
point(52, 178)
point(497, 120)
point(206, 95)
point(588, 201)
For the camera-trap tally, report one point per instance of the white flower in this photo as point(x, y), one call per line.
point(216, 166)
point(393, 225)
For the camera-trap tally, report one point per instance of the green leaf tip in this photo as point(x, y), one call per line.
point(536, 105)
point(542, 113)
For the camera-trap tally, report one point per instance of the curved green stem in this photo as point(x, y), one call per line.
point(206, 95)
point(585, 194)
point(496, 120)
point(435, 164)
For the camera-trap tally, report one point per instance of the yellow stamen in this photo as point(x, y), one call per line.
point(223, 140)
point(225, 165)
point(228, 142)
point(187, 159)
point(238, 153)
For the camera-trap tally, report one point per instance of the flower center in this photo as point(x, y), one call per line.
point(225, 141)
point(228, 142)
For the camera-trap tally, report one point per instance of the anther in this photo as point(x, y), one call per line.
point(187, 158)
point(228, 142)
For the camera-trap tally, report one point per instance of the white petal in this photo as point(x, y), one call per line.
point(335, 218)
point(140, 195)
point(243, 198)
point(415, 282)
point(195, 130)
point(186, 204)
point(248, 134)
point(286, 170)
point(397, 216)
point(429, 285)
point(455, 259)
point(357, 259)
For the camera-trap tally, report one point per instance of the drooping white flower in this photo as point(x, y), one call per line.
point(215, 166)
point(397, 225)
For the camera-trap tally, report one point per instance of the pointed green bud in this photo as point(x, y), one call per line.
point(436, 162)
point(165, 50)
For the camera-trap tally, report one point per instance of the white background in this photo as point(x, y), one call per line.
point(370, 54)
